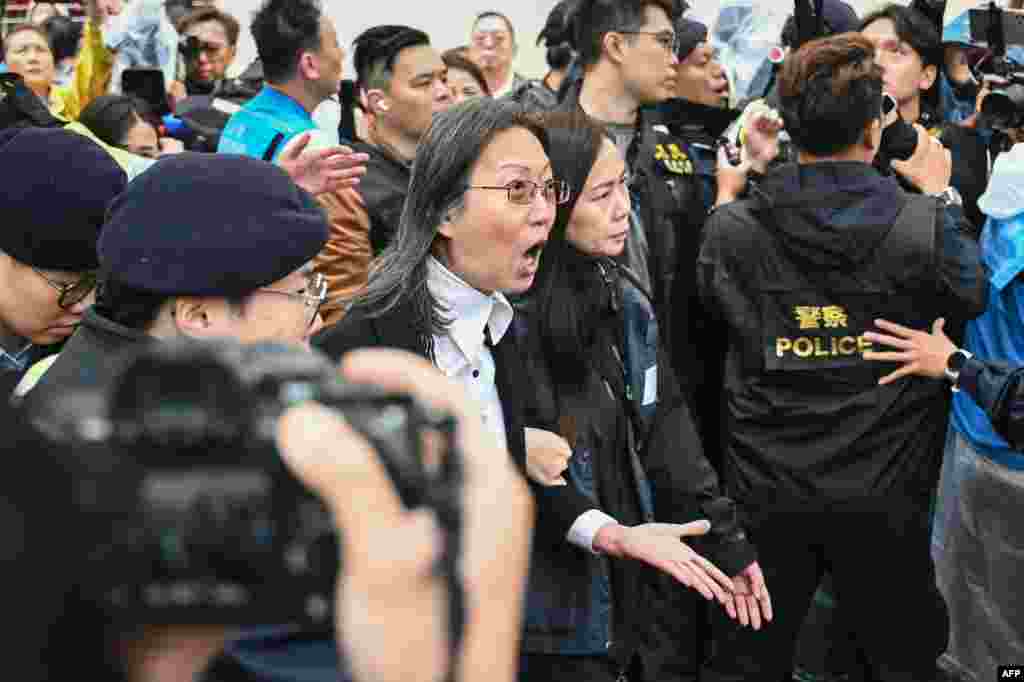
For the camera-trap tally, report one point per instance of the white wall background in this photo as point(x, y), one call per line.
point(448, 21)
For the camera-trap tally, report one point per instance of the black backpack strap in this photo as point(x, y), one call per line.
point(272, 149)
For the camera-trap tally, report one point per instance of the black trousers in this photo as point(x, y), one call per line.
point(878, 553)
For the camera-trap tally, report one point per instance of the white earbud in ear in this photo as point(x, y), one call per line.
point(384, 106)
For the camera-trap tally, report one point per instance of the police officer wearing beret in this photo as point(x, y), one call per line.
point(57, 185)
point(201, 246)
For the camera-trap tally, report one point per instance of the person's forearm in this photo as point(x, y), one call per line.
point(999, 391)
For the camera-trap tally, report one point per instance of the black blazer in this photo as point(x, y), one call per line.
point(557, 507)
point(392, 330)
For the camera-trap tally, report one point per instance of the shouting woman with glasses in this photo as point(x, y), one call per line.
point(481, 201)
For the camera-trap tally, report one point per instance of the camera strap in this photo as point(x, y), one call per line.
point(272, 149)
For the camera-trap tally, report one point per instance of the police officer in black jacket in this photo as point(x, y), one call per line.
point(834, 471)
point(698, 116)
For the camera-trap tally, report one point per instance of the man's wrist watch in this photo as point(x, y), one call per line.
point(955, 364)
point(949, 197)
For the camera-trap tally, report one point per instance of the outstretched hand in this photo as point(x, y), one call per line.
point(753, 604)
point(661, 546)
point(321, 171)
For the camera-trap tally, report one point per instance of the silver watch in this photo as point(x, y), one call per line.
point(949, 197)
point(954, 365)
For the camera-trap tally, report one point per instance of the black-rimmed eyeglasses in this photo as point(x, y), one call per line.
point(71, 293)
point(667, 39)
point(522, 192)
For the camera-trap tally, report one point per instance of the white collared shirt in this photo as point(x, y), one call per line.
point(460, 352)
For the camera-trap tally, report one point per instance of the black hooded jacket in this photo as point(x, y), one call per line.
point(799, 272)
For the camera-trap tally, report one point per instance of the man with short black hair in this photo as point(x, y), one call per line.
point(908, 49)
point(404, 84)
point(629, 53)
point(302, 65)
point(833, 471)
point(493, 47)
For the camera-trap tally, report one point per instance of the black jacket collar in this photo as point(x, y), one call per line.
point(393, 330)
point(682, 115)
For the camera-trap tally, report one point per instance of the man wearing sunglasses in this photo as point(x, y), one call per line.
point(201, 269)
point(52, 212)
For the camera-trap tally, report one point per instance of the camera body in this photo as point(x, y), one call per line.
point(995, 28)
point(1003, 108)
point(204, 523)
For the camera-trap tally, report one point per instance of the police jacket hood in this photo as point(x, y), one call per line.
point(829, 215)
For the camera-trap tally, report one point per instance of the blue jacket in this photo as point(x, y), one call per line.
point(997, 335)
point(265, 125)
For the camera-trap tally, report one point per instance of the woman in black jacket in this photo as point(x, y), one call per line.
point(604, 383)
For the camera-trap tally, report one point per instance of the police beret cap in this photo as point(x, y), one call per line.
point(210, 225)
point(57, 185)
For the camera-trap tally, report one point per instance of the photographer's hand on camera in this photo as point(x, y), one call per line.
point(388, 589)
point(930, 167)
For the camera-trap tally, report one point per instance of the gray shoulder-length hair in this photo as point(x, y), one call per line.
point(445, 158)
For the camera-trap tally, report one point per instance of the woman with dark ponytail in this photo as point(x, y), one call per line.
point(604, 597)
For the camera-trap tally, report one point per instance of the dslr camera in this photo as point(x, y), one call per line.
point(1002, 109)
point(200, 520)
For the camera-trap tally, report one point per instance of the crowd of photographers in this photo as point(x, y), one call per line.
point(643, 369)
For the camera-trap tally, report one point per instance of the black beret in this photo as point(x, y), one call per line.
point(839, 16)
point(210, 225)
point(691, 34)
point(57, 185)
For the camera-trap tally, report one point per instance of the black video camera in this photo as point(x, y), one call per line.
point(204, 522)
point(1003, 108)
